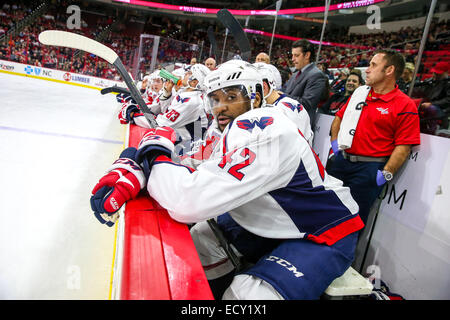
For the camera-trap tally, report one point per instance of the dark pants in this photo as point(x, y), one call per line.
point(360, 177)
point(297, 269)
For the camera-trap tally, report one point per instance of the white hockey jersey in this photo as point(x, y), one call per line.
point(151, 96)
point(297, 113)
point(201, 150)
point(265, 174)
point(184, 113)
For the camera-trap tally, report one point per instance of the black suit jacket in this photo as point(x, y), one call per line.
point(307, 88)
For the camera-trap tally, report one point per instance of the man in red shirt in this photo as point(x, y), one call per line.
point(387, 128)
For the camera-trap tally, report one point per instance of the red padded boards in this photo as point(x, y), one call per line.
point(159, 259)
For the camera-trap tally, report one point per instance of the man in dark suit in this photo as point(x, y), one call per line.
point(307, 83)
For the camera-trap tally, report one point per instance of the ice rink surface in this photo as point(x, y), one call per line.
point(57, 140)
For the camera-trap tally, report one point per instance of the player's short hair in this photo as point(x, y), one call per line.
point(393, 58)
point(306, 46)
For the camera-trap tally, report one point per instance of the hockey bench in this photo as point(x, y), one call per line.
point(350, 285)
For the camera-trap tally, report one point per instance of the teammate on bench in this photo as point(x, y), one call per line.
point(296, 224)
point(183, 111)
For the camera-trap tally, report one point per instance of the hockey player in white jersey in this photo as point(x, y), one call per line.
point(154, 88)
point(295, 224)
point(290, 107)
point(183, 111)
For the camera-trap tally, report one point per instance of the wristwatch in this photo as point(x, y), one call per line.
point(387, 175)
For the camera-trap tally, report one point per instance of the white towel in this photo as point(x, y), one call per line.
point(351, 117)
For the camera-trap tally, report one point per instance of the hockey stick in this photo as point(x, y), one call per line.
point(235, 28)
point(225, 244)
point(230, 22)
point(115, 89)
point(76, 41)
point(212, 40)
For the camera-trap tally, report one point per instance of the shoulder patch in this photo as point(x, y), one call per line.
point(250, 124)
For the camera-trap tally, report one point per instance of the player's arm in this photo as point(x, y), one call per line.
point(155, 106)
point(221, 184)
point(182, 110)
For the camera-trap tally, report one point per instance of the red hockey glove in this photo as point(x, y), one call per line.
point(155, 142)
point(122, 182)
point(128, 112)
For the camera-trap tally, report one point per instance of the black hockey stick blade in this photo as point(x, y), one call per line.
point(115, 89)
point(212, 40)
point(225, 244)
point(230, 22)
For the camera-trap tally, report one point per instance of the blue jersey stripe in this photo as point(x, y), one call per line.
point(312, 209)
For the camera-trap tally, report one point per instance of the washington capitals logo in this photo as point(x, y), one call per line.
point(183, 100)
point(383, 110)
point(293, 107)
point(250, 124)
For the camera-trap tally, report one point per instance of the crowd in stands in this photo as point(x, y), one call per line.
point(183, 39)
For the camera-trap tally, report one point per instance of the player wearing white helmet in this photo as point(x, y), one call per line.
point(290, 107)
point(153, 91)
point(201, 150)
point(154, 86)
point(183, 111)
point(296, 225)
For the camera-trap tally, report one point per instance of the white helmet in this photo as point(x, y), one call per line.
point(270, 73)
point(235, 73)
point(199, 72)
point(235, 62)
point(155, 75)
point(179, 73)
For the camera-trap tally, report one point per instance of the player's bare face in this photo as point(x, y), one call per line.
point(210, 63)
point(156, 85)
point(186, 78)
point(227, 104)
point(144, 84)
point(376, 72)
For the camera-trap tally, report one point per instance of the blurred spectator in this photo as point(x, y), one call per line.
point(124, 39)
point(339, 99)
point(338, 85)
point(363, 61)
point(436, 108)
point(324, 67)
point(405, 81)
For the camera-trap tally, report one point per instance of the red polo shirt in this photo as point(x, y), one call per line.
point(387, 121)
